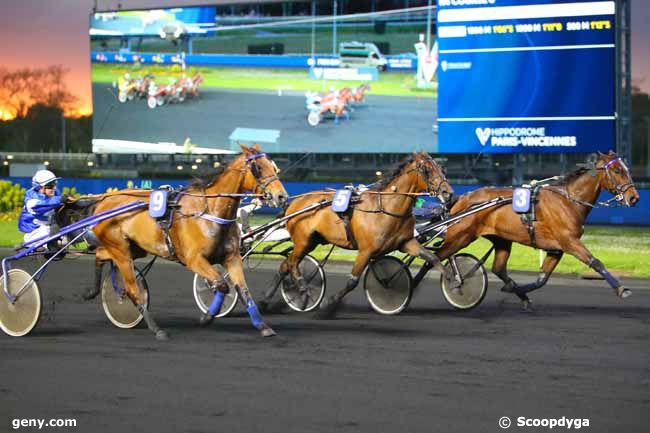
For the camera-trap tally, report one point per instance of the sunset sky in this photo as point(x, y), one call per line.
point(39, 33)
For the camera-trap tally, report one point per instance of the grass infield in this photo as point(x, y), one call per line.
point(295, 80)
point(624, 250)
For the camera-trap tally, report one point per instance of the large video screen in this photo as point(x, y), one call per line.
point(263, 74)
point(526, 76)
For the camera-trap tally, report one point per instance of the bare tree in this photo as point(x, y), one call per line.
point(23, 88)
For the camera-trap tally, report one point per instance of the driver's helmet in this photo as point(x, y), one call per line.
point(43, 177)
point(127, 76)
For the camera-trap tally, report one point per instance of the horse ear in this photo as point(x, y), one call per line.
point(244, 149)
point(256, 147)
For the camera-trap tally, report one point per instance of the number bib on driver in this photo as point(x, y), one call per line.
point(521, 200)
point(157, 203)
point(341, 200)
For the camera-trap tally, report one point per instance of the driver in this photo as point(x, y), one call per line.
point(39, 204)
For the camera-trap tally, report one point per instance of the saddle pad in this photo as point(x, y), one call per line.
point(521, 200)
point(341, 200)
point(157, 203)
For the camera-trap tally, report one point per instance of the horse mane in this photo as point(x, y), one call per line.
point(75, 211)
point(206, 180)
point(568, 178)
point(383, 183)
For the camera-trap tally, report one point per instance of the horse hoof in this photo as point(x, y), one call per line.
point(527, 305)
point(327, 310)
point(623, 293)
point(162, 335)
point(267, 331)
point(205, 319)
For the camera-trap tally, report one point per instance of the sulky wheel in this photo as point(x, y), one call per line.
point(151, 102)
point(388, 285)
point(313, 118)
point(204, 294)
point(19, 317)
point(118, 307)
point(122, 96)
point(311, 296)
point(473, 286)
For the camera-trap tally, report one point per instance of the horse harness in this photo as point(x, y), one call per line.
point(528, 218)
point(166, 221)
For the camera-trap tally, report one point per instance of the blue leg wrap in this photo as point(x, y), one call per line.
point(610, 279)
point(336, 120)
point(253, 312)
point(216, 303)
point(116, 286)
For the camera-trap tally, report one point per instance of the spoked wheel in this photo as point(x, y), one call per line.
point(388, 285)
point(473, 286)
point(310, 297)
point(122, 96)
point(204, 294)
point(313, 118)
point(151, 102)
point(118, 307)
point(21, 316)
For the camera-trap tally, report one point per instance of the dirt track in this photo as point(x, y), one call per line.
point(582, 354)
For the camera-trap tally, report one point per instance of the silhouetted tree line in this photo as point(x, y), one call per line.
point(36, 99)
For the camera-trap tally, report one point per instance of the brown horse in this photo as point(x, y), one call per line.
point(380, 222)
point(560, 213)
point(358, 94)
point(202, 232)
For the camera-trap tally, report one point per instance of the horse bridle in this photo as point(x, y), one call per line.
point(621, 189)
point(426, 174)
point(262, 181)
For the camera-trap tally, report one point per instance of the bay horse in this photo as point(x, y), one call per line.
point(560, 212)
point(380, 222)
point(358, 93)
point(202, 232)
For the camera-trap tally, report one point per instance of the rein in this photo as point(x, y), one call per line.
point(615, 201)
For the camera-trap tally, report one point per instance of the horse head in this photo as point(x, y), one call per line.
point(432, 176)
point(262, 176)
point(614, 176)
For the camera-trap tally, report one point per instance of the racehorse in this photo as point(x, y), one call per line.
point(560, 213)
point(381, 222)
point(358, 93)
point(202, 231)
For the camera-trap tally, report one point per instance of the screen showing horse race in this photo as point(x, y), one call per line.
point(526, 76)
point(464, 76)
point(290, 77)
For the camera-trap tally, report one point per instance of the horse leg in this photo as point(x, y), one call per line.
point(329, 306)
point(92, 292)
point(550, 262)
point(267, 304)
point(201, 266)
point(577, 249)
point(235, 268)
point(289, 267)
point(124, 263)
point(415, 249)
point(502, 249)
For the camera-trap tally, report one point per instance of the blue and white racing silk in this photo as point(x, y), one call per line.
point(38, 210)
